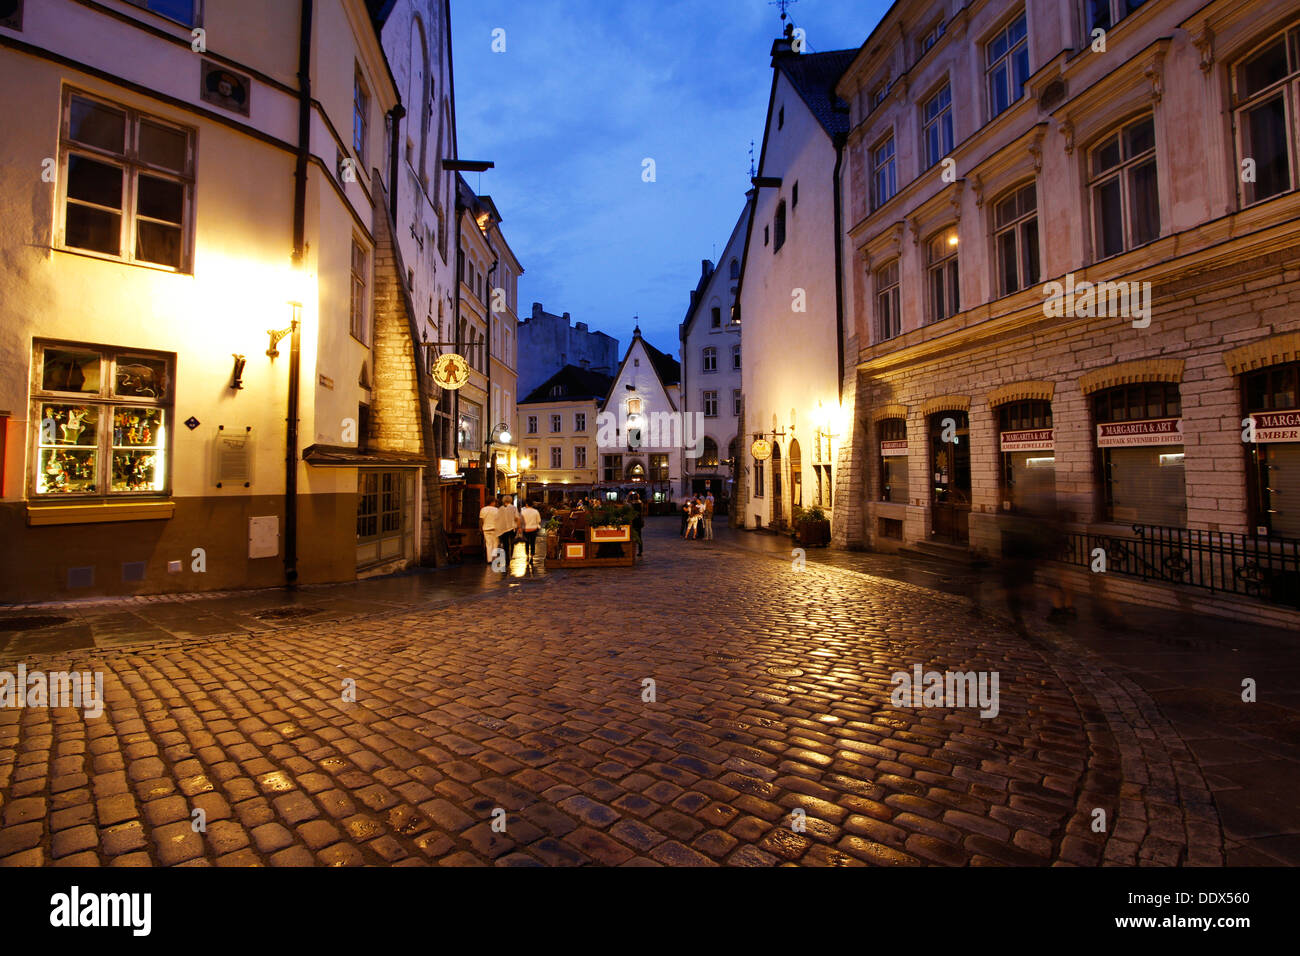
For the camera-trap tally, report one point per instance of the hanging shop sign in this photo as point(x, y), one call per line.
point(447, 468)
point(761, 449)
point(451, 371)
point(1277, 426)
point(1030, 439)
point(1155, 431)
point(892, 449)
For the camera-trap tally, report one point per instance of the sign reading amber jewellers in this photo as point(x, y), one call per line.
point(451, 371)
point(1030, 439)
point(1155, 431)
point(890, 449)
point(761, 449)
point(1277, 426)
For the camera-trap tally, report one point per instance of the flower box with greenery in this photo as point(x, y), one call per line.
point(811, 527)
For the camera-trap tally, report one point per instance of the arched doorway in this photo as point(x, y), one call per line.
point(796, 475)
point(635, 471)
point(950, 486)
point(778, 488)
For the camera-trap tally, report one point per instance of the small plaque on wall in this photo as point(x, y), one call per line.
point(264, 537)
point(232, 457)
point(225, 88)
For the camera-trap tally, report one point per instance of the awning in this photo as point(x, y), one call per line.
point(334, 456)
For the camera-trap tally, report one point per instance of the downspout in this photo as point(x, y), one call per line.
point(455, 322)
point(395, 137)
point(299, 255)
point(492, 458)
point(839, 267)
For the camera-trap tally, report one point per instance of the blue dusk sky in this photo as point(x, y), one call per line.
point(588, 89)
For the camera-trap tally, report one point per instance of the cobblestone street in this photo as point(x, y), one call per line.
point(771, 695)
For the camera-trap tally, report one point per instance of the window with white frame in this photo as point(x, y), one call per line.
point(1007, 65)
point(579, 456)
point(534, 457)
point(710, 359)
point(557, 423)
point(557, 456)
point(936, 126)
point(1103, 14)
point(579, 421)
point(735, 358)
point(1266, 87)
point(531, 427)
point(1123, 190)
point(360, 280)
point(889, 320)
point(711, 404)
point(127, 183)
point(1015, 239)
point(884, 175)
point(102, 420)
point(929, 38)
point(941, 275)
point(735, 402)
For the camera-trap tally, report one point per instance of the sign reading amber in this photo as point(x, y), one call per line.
point(451, 371)
point(761, 449)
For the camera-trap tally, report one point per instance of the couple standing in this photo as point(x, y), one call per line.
point(500, 521)
point(697, 517)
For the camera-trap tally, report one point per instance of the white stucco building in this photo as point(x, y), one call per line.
point(639, 444)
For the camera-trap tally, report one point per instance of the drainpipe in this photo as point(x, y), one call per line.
point(299, 255)
point(491, 453)
point(395, 118)
point(455, 325)
point(839, 266)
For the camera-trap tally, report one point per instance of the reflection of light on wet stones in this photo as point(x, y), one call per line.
point(404, 820)
point(363, 828)
point(785, 672)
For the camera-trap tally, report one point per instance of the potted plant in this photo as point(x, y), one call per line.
point(551, 536)
point(813, 527)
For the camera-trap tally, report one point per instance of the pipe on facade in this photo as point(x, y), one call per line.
point(395, 137)
point(299, 256)
point(839, 266)
point(491, 452)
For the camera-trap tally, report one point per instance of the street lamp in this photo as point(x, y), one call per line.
point(524, 464)
point(500, 435)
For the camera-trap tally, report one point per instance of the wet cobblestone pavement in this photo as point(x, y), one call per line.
point(771, 695)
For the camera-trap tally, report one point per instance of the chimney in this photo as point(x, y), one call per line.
point(537, 310)
point(784, 45)
point(706, 267)
point(580, 327)
point(585, 363)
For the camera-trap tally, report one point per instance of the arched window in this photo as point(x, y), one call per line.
point(709, 455)
point(735, 268)
point(778, 228)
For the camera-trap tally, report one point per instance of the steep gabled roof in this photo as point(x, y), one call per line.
point(578, 384)
point(693, 310)
point(666, 367)
point(814, 76)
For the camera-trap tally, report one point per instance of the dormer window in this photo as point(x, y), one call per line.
point(929, 38)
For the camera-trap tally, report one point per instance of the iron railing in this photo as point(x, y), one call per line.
point(1267, 569)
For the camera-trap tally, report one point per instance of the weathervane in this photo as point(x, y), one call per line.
point(752, 171)
point(784, 5)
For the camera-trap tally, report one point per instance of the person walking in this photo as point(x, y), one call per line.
point(530, 522)
point(708, 516)
point(487, 524)
point(686, 513)
point(507, 526)
point(638, 521)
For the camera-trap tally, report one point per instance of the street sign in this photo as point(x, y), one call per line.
point(451, 371)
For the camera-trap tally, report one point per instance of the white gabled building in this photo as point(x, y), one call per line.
point(711, 368)
point(790, 305)
point(641, 433)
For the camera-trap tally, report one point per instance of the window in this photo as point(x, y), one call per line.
point(794, 195)
point(779, 227)
point(735, 269)
point(128, 183)
point(557, 423)
point(878, 95)
point(735, 357)
point(360, 118)
point(710, 404)
point(941, 264)
point(104, 418)
point(893, 460)
point(357, 308)
point(710, 359)
point(659, 468)
point(780, 118)
point(936, 127)
point(557, 456)
point(889, 320)
point(613, 469)
point(766, 235)
point(1267, 85)
point(534, 456)
point(1007, 65)
point(1143, 477)
point(1028, 447)
point(884, 178)
point(1103, 14)
point(385, 507)
point(758, 478)
point(1015, 237)
point(717, 317)
point(735, 402)
point(708, 454)
point(470, 427)
point(1273, 462)
point(929, 38)
point(1125, 198)
point(825, 486)
point(532, 426)
point(182, 11)
point(579, 421)
point(579, 456)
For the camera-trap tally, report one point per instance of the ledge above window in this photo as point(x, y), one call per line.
point(100, 513)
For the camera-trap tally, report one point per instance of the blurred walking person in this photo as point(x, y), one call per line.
point(530, 522)
point(487, 523)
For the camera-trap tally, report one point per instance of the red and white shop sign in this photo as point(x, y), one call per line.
point(1030, 439)
point(891, 449)
point(1277, 426)
point(1155, 431)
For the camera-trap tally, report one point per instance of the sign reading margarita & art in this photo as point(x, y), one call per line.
point(1277, 426)
point(451, 371)
point(892, 449)
point(1030, 439)
point(761, 449)
point(1155, 431)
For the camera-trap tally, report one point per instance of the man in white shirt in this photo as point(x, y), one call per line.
point(530, 522)
point(507, 526)
point(487, 523)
